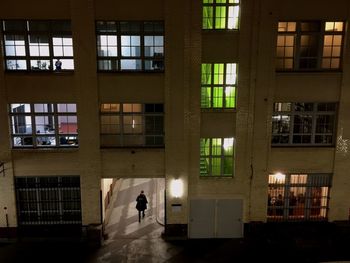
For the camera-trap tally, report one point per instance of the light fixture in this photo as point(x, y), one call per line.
point(279, 178)
point(176, 188)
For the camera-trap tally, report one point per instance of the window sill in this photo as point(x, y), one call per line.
point(216, 177)
point(47, 149)
point(29, 72)
point(309, 71)
point(302, 146)
point(130, 71)
point(218, 110)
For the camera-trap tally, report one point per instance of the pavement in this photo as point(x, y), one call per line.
point(127, 240)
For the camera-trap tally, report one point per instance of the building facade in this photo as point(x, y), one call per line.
point(241, 105)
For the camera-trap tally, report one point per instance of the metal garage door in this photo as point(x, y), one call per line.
point(216, 218)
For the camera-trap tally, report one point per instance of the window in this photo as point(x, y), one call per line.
point(48, 200)
point(128, 124)
point(220, 14)
point(218, 85)
point(309, 45)
point(298, 197)
point(216, 157)
point(43, 125)
point(36, 45)
point(130, 46)
point(303, 124)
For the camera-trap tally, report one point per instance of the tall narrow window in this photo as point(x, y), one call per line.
point(218, 89)
point(298, 197)
point(220, 14)
point(38, 45)
point(309, 45)
point(130, 46)
point(216, 156)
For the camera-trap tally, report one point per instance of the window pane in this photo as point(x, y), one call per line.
point(68, 124)
point(216, 146)
point(218, 97)
point(207, 22)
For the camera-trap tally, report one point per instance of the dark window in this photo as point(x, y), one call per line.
point(134, 124)
point(303, 124)
point(48, 200)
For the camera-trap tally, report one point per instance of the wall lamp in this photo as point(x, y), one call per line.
point(176, 188)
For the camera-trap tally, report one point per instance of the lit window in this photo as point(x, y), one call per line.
point(219, 82)
point(216, 156)
point(220, 14)
point(303, 124)
point(42, 125)
point(132, 124)
point(38, 45)
point(309, 45)
point(130, 46)
point(298, 197)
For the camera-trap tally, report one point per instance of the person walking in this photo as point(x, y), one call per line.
point(141, 204)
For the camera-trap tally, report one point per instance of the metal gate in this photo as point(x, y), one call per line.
point(53, 200)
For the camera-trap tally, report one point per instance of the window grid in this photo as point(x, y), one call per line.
point(43, 125)
point(132, 125)
point(48, 200)
point(309, 45)
point(216, 157)
point(220, 14)
point(27, 48)
point(298, 197)
point(137, 46)
point(303, 124)
point(218, 85)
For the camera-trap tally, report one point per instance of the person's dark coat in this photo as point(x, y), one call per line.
point(141, 202)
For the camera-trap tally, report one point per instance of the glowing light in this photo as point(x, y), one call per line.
point(279, 178)
point(228, 142)
point(176, 188)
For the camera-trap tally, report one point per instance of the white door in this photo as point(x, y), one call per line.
point(216, 218)
point(202, 219)
point(229, 218)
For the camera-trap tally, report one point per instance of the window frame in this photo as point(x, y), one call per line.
point(313, 205)
point(210, 156)
point(28, 58)
point(214, 4)
point(142, 33)
point(122, 136)
point(292, 113)
point(42, 140)
point(212, 86)
point(297, 45)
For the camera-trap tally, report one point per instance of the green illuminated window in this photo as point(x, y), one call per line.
point(220, 14)
point(216, 156)
point(218, 88)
